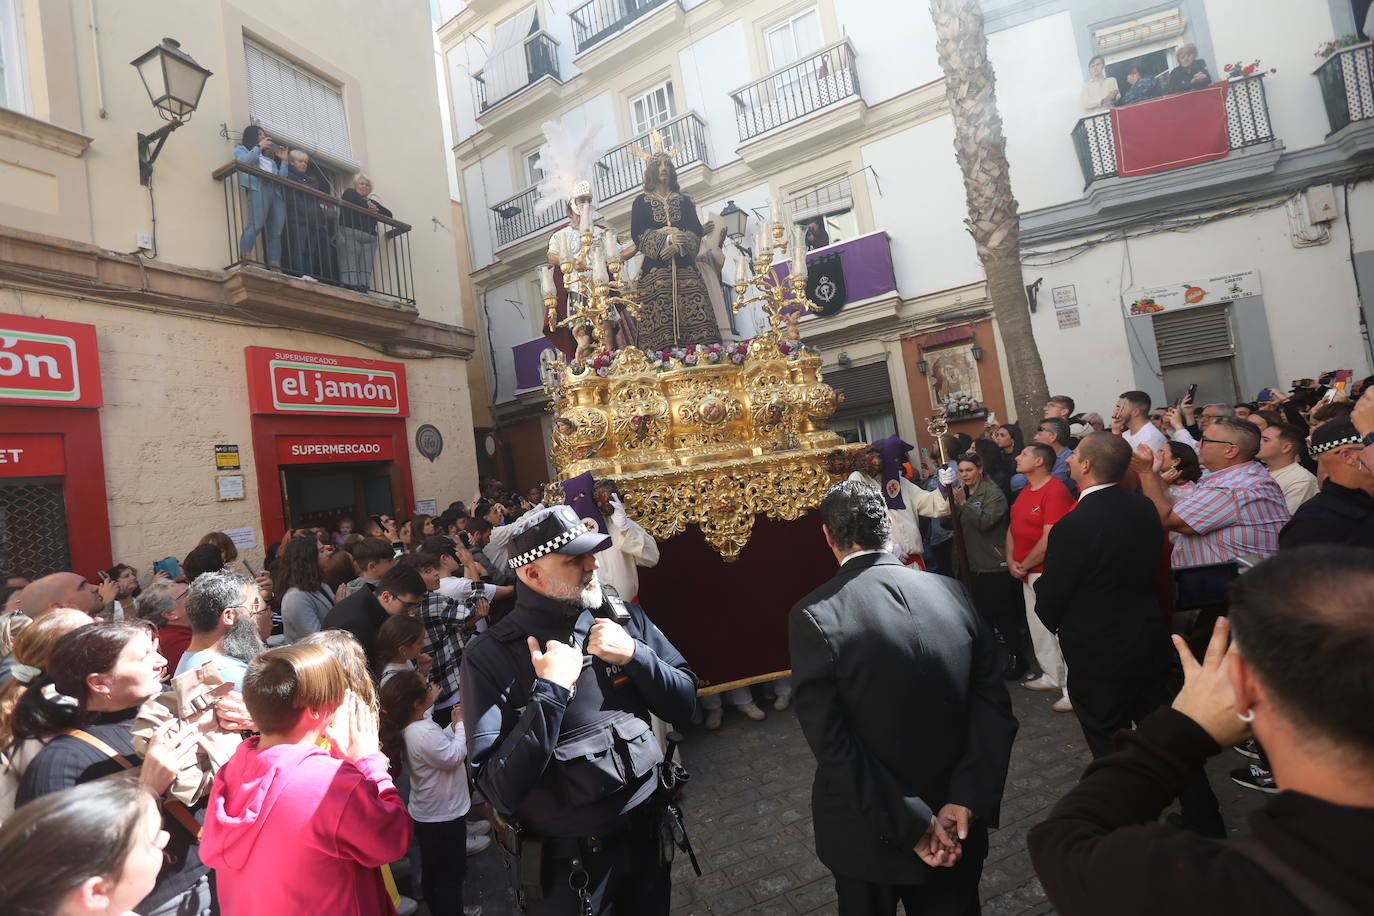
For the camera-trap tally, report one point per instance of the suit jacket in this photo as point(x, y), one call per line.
point(1097, 591)
point(899, 693)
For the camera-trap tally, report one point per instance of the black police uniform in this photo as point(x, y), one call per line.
point(577, 769)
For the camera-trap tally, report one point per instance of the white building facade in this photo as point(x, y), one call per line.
point(1237, 273)
point(835, 107)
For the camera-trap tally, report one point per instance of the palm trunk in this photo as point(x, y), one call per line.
point(993, 220)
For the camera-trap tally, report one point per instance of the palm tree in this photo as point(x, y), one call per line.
point(993, 219)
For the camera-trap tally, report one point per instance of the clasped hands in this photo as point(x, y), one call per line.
point(943, 842)
point(561, 664)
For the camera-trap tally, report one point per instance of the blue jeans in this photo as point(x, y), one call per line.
point(266, 214)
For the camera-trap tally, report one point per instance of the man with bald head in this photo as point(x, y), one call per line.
point(61, 589)
point(1097, 594)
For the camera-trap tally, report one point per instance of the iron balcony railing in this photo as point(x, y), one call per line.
point(516, 216)
point(1347, 81)
point(541, 59)
point(794, 91)
point(620, 170)
point(283, 225)
point(617, 172)
point(1247, 124)
point(600, 19)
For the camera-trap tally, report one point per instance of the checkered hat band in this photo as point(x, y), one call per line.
point(535, 553)
point(1336, 443)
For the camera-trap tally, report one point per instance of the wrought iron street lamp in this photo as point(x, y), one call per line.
point(174, 82)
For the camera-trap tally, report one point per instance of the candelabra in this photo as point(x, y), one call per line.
point(592, 267)
point(755, 269)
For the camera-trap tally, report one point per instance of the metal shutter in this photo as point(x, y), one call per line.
point(863, 386)
point(300, 106)
point(1193, 335)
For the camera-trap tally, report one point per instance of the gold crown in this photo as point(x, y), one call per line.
point(655, 148)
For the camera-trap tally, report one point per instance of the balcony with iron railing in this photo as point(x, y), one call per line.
point(285, 226)
point(595, 21)
point(1347, 84)
point(788, 94)
point(618, 173)
point(541, 60)
point(1247, 124)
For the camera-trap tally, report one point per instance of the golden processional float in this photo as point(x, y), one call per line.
point(709, 435)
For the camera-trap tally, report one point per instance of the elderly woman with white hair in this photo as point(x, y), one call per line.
point(357, 238)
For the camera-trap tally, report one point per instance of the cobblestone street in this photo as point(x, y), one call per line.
point(748, 811)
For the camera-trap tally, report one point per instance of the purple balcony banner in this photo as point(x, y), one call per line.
point(867, 264)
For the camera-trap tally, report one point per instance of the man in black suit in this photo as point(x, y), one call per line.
point(899, 693)
point(399, 591)
point(1097, 594)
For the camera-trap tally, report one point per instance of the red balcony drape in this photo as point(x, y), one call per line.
point(1171, 132)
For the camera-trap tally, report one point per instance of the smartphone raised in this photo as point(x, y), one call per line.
point(1192, 393)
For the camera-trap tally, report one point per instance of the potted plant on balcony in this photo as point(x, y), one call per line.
point(1240, 69)
point(1336, 44)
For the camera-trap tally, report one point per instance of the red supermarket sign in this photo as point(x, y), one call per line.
point(296, 382)
point(51, 363)
point(324, 449)
point(32, 456)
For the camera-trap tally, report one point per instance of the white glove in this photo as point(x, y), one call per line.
point(947, 477)
point(619, 517)
point(897, 550)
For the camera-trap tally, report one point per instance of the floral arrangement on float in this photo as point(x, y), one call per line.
point(1240, 69)
point(960, 404)
point(1337, 44)
point(670, 358)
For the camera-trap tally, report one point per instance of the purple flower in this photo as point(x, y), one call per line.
point(690, 359)
point(603, 371)
point(737, 358)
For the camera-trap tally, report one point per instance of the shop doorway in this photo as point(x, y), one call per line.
point(322, 494)
point(33, 526)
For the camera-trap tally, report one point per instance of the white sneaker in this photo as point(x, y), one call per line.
point(407, 906)
point(472, 911)
point(752, 711)
point(1062, 705)
point(782, 701)
point(479, 827)
point(1043, 682)
point(478, 843)
point(308, 277)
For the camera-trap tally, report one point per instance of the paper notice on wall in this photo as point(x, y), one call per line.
point(1068, 318)
point(243, 538)
point(230, 486)
point(426, 507)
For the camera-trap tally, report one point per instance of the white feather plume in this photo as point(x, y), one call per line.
point(565, 159)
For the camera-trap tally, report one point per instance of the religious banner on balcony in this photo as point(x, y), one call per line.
point(1174, 296)
point(1171, 132)
point(825, 284)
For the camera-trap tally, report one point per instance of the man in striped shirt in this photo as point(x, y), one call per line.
point(1236, 510)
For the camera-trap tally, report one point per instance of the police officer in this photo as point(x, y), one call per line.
point(557, 698)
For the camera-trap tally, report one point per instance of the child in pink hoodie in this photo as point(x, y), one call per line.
point(292, 828)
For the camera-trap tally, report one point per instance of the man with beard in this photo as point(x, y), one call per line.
point(222, 608)
point(556, 702)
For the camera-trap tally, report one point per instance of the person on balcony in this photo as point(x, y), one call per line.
point(357, 239)
point(1101, 91)
point(1191, 72)
point(308, 218)
point(265, 199)
point(675, 309)
point(1139, 87)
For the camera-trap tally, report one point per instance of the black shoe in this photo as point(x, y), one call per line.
point(1255, 777)
point(1247, 748)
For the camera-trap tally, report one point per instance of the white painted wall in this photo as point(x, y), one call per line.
point(1038, 85)
point(922, 207)
point(1274, 32)
point(508, 322)
point(711, 68)
point(465, 59)
point(1309, 301)
point(895, 48)
point(486, 182)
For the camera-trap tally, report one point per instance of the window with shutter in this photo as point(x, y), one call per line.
point(305, 109)
point(1193, 335)
point(13, 90)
